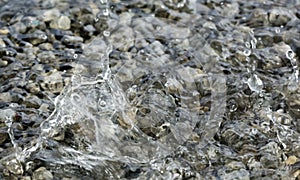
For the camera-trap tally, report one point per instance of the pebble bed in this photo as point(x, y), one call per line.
point(189, 89)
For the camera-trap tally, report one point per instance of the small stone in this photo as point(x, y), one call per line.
point(33, 87)
point(53, 82)
point(14, 167)
point(4, 31)
point(291, 160)
point(71, 39)
point(6, 113)
point(19, 27)
point(46, 46)
point(63, 23)
point(123, 38)
point(2, 43)
point(42, 174)
point(235, 165)
point(238, 175)
point(89, 29)
point(269, 161)
point(50, 15)
point(3, 137)
point(46, 56)
point(35, 38)
point(3, 63)
point(279, 16)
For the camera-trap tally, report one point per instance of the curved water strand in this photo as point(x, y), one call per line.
point(254, 82)
point(294, 78)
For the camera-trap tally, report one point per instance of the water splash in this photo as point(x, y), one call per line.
point(254, 82)
point(294, 78)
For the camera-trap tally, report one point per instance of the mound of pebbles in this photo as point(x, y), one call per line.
point(42, 41)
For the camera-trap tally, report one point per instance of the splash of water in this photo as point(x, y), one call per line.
point(254, 82)
point(294, 78)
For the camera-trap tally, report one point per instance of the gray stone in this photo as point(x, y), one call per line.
point(122, 38)
point(279, 16)
point(6, 113)
point(71, 39)
point(2, 43)
point(50, 15)
point(14, 167)
point(42, 174)
point(241, 174)
point(3, 63)
point(63, 23)
point(52, 82)
point(19, 27)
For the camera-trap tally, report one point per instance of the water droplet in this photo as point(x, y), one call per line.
point(105, 12)
point(106, 33)
point(43, 36)
point(75, 97)
point(247, 52)
point(290, 54)
point(253, 43)
point(102, 103)
point(248, 45)
point(232, 105)
point(103, 1)
point(255, 83)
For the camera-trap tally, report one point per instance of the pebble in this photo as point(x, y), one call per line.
point(4, 31)
point(62, 23)
point(3, 63)
point(67, 39)
point(50, 14)
point(122, 38)
point(42, 174)
point(52, 82)
point(2, 43)
point(14, 167)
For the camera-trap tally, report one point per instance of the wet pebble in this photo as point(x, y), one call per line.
point(50, 14)
point(52, 82)
point(122, 38)
point(71, 39)
point(63, 23)
point(42, 174)
point(14, 167)
point(35, 38)
point(279, 16)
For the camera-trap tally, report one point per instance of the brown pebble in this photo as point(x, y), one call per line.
point(291, 160)
point(4, 31)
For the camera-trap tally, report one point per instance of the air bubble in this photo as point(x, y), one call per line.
point(75, 56)
point(253, 43)
point(75, 97)
point(106, 33)
point(255, 83)
point(232, 105)
point(290, 54)
point(248, 45)
point(105, 12)
point(277, 30)
point(102, 103)
point(247, 52)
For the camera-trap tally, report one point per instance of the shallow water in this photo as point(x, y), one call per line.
point(167, 89)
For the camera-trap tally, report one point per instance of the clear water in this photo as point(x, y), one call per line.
point(150, 106)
